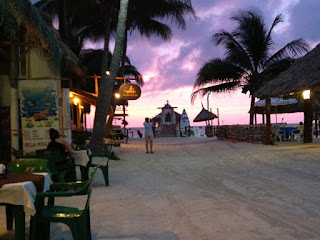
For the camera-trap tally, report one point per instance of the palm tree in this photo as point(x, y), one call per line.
point(143, 14)
point(106, 87)
point(156, 27)
point(247, 63)
point(75, 19)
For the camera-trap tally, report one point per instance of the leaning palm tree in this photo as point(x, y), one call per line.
point(105, 88)
point(248, 63)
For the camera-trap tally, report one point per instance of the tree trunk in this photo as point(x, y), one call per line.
point(307, 132)
point(268, 125)
point(124, 54)
point(252, 109)
point(106, 85)
point(63, 29)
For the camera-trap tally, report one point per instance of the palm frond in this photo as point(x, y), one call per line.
point(151, 27)
point(23, 15)
point(173, 10)
point(234, 51)
point(223, 87)
point(292, 49)
point(252, 33)
point(131, 71)
point(217, 70)
point(278, 19)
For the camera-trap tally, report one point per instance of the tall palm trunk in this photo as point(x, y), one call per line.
point(106, 85)
point(252, 109)
point(124, 54)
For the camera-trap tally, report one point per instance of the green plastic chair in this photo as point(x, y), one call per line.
point(54, 158)
point(77, 220)
point(23, 165)
point(104, 168)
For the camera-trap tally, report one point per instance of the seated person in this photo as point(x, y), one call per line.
point(58, 143)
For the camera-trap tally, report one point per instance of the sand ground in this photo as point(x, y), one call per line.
point(193, 188)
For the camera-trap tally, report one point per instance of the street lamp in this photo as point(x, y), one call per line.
point(208, 101)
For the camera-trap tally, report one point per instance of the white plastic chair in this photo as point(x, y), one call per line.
point(297, 132)
point(278, 134)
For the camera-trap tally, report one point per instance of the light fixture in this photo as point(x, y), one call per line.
point(76, 101)
point(117, 95)
point(70, 95)
point(107, 73)
point(82, 107)
point(306, 94)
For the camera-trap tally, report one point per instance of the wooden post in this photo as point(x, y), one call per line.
point(307, 138)
point(14, 102)
point(124, 119)
point(96, 88)
point(268, 126)
point(316, 123)
point(78, 117)
point(127, 136)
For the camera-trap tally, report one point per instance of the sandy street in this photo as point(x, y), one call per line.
point(201, 188)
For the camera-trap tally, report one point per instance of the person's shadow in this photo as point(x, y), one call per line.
point(155, 236)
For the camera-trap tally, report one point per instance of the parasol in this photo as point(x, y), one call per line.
point(277, 102)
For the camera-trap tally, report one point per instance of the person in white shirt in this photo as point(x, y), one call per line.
point(148, 134)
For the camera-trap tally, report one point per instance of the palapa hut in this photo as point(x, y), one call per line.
point(303, 74)
point(206, 116)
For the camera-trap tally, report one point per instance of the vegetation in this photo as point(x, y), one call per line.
point(248, 63)
point(83, 19)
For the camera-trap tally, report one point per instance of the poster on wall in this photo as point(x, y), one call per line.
point(39, 112)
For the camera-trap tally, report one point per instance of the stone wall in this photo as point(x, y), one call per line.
point(242, 133)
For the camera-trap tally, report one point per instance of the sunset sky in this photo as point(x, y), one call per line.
point(169, 68)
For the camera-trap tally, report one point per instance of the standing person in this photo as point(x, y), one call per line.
point(148, 134)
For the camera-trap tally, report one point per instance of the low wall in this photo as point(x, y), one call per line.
point(242, 133)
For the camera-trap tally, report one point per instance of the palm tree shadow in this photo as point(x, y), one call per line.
point(155, 236)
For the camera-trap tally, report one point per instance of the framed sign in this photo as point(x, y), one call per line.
point(39, 112)
point(129, 91)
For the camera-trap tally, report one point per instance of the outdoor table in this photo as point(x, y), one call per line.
point(22, 194)
point(81, 159)
point(288, 131)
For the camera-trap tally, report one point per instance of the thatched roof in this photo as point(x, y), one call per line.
point(303, 74)
point(21, 13)
point(204, 115)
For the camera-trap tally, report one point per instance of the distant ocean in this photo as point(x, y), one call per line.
point(134, 134)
